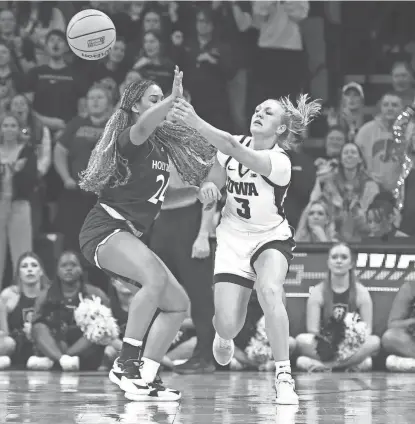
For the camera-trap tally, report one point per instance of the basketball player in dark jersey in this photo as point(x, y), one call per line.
point(254, 239)
point(130, 174)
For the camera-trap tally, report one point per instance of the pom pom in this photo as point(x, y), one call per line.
point(96, 321)
point(258, 349)
point(329, 338)
point(355, 335)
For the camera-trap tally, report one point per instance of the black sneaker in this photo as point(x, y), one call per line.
point(157, 392)
point(126, 375)
point(195, 365)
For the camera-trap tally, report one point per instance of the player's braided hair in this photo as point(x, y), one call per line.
point(297, 118)
point(189, 152)
point(106, 167)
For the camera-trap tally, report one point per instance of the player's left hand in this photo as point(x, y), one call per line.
point(184, 111)
point(201, 247)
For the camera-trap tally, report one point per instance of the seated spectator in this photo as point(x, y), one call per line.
point(18, 179)
point(316, 224)
point(403, 82)
point(19, 301)
point(153, 62)
point(129, 78)
point(349, 191)
point(351, 115)
point(399, 339)
point(54, 330)
point(334, 141)
point(375, 140)
point(383, 217)
point(339, 294)
point(241, 360)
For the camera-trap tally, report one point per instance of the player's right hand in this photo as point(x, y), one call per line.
point(177, 90)
point(209, 193)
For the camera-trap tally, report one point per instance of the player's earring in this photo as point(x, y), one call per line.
point(134, 109)
point(281, 129)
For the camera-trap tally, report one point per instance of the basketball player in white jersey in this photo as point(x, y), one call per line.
point(255, 241)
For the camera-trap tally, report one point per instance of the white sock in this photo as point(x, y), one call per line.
point(149, 370)
point(282, 367)
point(132, 342)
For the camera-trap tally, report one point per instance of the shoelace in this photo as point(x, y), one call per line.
point(133, 367)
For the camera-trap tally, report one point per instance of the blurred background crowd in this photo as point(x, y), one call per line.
point(357, 57)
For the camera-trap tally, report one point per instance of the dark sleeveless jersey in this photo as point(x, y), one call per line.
point(141, 198)
point(340, 304)
point(23, 312)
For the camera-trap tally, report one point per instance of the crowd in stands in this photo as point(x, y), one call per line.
point(54, 107)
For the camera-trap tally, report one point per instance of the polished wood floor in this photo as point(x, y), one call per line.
point(221, 398)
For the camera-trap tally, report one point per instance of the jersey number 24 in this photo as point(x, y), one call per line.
point(160, 194)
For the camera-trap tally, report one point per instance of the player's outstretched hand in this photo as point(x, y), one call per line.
point(177, 90)
point(209, 194)
point(184, 111)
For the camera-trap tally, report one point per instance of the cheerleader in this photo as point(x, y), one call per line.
point(254, 240)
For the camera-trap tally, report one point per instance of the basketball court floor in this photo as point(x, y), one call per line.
point(221, 398)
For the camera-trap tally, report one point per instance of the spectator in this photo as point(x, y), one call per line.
point(54, 87)
point(135, 13)
point(54, 331)
point(114, 65)
point(349, 191)
point(335, 140)
point(208, 68)
point(22, 48)
point(37, 135)
point(351, 116)
point(280, 62)
point(378, 147)
point(339, 294)
point(241, 360)
point(19, 301)
point(383, 217)
point(153, 63)
point(129, 78)
point(18, 179)
point(36, 20)
point(185, 249)
point(402, 82)
point(11, 81)
point(398, 340)
point(316, 224)
point(71, 156)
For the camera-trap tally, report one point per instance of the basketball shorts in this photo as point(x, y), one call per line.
point(237, 251)
point(98, 228)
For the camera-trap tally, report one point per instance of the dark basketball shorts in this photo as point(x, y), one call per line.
point(236, 253)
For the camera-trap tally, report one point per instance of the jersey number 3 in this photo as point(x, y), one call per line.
point(245, 211)
point(161, 192)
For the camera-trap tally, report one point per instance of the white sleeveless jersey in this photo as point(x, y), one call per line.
point(254, 203)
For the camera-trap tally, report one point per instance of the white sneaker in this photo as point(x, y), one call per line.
point(69, 363)
point(396, 363)
point(223, 350)
point(39, 363)
point(5, 362)
point(285, 387)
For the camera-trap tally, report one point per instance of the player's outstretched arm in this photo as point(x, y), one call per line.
point(152, 117)
point(257, 161)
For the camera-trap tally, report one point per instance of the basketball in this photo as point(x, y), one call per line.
point(91, 34)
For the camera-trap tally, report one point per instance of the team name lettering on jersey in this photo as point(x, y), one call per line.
point(160, 165)
point(244, 188)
